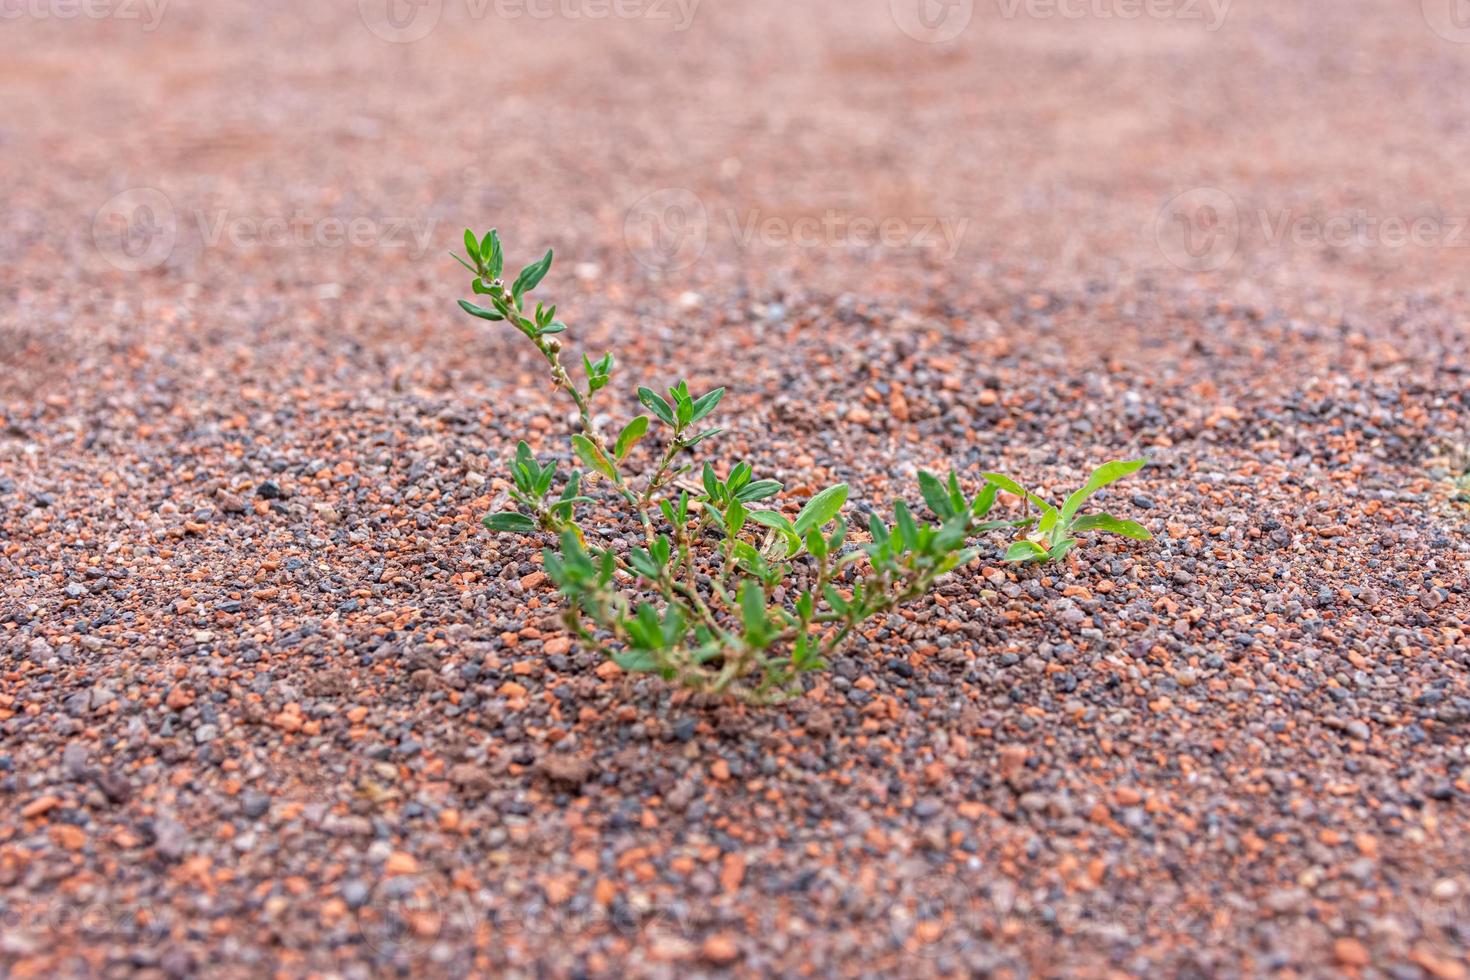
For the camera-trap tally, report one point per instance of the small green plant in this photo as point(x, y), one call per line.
point(726, 593)
point(1055, 530)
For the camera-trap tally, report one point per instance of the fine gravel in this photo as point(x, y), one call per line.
point(273, 703)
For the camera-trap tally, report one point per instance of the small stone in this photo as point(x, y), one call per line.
point(170, 838)
point(39, 806)
point(355, 893)
point(74, 760)
point(720, 950)
point(473, 779)
point(68, 837)
point(254, 804)
point(1350, 952)
point(401, 863)
point(568, 769)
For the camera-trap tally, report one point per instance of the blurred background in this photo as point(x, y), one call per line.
point(1024, 235)
point(332, 152)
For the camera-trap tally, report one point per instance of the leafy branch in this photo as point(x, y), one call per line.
point(727, 594)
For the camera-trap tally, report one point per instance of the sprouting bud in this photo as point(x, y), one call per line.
point(554, 346)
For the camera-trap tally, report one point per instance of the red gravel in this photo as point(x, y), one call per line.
point(273, 702)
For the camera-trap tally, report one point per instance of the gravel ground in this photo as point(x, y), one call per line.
point(273, 703)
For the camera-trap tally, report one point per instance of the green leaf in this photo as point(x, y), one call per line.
point(1101, 477)
point(636, 661)
point(589, 454)
point(739, 476)
point(821, 508)
point(712, 484)
point(691, 443)
point(834, 599)
point(706, 404)
point(780, 524)
point(935, 495)
point(753, 612)
point(1025, 551)
point(543, 482)
point(908, 531)
point(573, 487)
point(1111, 524)
point(735, 518)
point(510, 521)
point(654, 403)
point(532, 275)
point(630, 435)
point(673, 627)
point(465, 264)
point(491, 255)
point(480, 312)
point(956, 495)
point(1011, 486)
point(752, 561)
point(985, 500)
point(471, 245)
point(644, 564)
point(816, 544)
point(683, 404)
point(759, 490)
point(1059, 550)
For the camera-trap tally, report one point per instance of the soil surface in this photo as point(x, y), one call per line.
point(272, 702)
